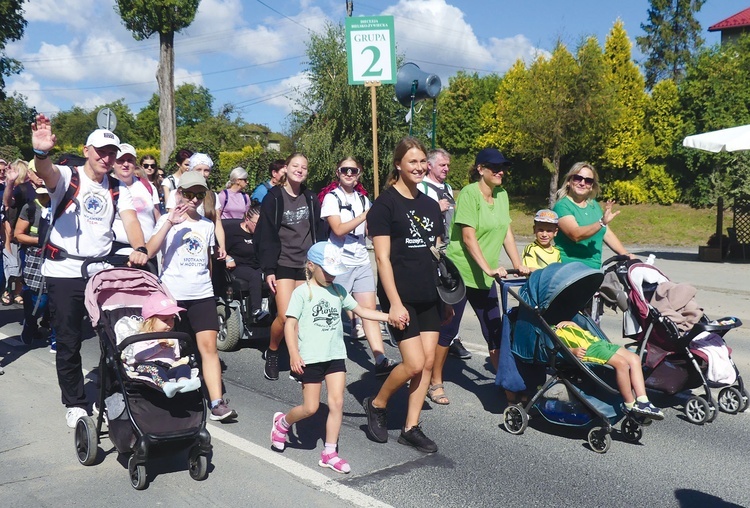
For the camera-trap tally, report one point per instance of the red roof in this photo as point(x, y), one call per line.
point(737, 21)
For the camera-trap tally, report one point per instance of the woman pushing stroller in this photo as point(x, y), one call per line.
point(628, 370)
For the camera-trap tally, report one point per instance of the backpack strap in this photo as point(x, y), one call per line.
point(71, 193)
point(174, 183)
point(114, 192)
point(224, 194)
point(146, 183)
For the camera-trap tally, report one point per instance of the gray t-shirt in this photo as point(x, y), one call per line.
point(294, 233)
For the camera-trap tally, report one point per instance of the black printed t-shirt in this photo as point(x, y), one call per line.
point(403, 219)
point(240, 245)
point(294, 233)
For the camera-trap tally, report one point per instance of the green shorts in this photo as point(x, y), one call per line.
point(600, 352)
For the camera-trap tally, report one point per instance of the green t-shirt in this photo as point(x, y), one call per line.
point(491, 224)
point(588, 251)
point(321, 334)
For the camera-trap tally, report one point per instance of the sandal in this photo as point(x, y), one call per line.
point(18, 300)
point(6, 298)
point(440, 398)
point(334, 462)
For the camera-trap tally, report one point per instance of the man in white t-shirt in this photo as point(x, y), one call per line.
point(435, 186)
point(82, 231)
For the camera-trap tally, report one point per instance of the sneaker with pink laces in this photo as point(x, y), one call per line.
point(333, 461)
point(278, 433)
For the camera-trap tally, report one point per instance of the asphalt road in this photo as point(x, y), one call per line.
point(676, 463)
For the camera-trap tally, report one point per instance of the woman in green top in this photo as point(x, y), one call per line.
point(582, 225)
point(481, 227)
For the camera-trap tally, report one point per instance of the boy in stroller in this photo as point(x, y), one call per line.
point(629, 373)
point(157, 361)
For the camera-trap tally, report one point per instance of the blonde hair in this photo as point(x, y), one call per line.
point(577, 167)
point(23, 168)
point(308, 278)
point(149, 325)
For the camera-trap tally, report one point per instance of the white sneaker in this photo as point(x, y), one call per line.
point(359, 331)
point(73, 414)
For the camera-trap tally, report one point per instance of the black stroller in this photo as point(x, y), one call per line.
point(569, 392)
point(141, 420)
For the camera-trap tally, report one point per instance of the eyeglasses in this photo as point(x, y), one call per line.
point(349, 171)
point(152, 166)
point(190, 195)
point(579, 179)
point(496, 168)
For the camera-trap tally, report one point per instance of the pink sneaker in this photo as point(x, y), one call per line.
point(334, 462)
point(278, 433)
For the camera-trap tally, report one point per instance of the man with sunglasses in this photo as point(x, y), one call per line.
point(82, 231)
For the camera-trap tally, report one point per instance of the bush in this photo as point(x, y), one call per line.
point(625, 192)
point(660, 187)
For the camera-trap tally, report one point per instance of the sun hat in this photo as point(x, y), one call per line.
point(490, 156)
point(192, 179)
point(328, 257)
point(159, 304)
point(101, 138)
point(124, 149)
point(546, 215)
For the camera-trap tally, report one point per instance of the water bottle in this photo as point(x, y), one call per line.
point(651, 259)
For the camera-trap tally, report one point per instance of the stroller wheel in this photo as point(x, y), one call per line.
point(731, 400)
point(138, 477)
point(631, 430)
point(745, 400)
point(87, 440)
point(697, 410)
point(599, 440)
point(198, 466)
point(515, 419)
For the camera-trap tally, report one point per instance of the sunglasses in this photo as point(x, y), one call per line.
point(497, 168)
point(152, 166)
point(349, 171)
point(579, 179)
point(190, 195)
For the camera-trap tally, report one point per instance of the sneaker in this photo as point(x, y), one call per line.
point(259, 315)
point(271, 370)
point(377, 421)
point(458, 350)
point(28, 334)
point(385, 367)
point(416, 438)
point(73, 414)
point(295, 377)
point(222, 412)
point(647, 409)
point(358, 332)
point(334, 462)
point(278, 433)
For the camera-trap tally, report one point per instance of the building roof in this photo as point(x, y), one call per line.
point(739, 20)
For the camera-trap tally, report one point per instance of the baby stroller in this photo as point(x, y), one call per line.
point(679, 356)
point(141, 420)
point(570, 392)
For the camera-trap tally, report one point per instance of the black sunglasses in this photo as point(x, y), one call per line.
point(190, 195)
point(579, 179)
point(349, 171)
point(153, 166)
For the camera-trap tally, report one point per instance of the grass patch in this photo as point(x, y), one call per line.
point(676, 225)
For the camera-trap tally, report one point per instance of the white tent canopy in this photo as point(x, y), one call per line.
point(724, 140)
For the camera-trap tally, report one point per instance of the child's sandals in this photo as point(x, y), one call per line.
point(334, 462)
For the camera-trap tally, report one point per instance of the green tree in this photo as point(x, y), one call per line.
point(332, 119)
point(458, 126)
point(12, 26)
point(628, 145)
point(193, 104)
point(672, 35)
point(15, 118)
point(664, 118)
point(145, 18)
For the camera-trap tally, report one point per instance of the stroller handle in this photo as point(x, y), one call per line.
point(179, 336)
point(619, 258)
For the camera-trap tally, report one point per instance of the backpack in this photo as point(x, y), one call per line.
point(325, 228)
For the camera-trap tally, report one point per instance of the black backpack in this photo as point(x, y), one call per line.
point(325, 228)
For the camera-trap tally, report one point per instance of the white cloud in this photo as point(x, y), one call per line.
point(435, 35)
point(282, 95)
point(75, 13)
point(25, 85)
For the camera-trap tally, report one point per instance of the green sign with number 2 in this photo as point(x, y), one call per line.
point(371, 49)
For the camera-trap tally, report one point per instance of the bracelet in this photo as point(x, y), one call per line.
point(602, 224)
point(229, 259)
point(142, 249)
point(167, 220)
point(40, 154)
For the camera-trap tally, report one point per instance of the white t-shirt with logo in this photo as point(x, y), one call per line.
point(86, 229)
point(185, 258)
point(352, 245)
point(144, 200)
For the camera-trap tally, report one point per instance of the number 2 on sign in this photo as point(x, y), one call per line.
point(375, 58)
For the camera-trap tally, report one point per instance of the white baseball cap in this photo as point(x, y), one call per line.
point(101, 138)
point(124, 149)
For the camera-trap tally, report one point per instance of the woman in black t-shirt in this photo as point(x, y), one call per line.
point(398, 221)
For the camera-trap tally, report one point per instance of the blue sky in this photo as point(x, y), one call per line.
point(250, 53)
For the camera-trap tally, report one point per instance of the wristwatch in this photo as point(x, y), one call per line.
point(601, 223)
point(142, 249)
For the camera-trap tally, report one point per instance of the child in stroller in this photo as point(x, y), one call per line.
point(628, 371)
point(157, 361)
